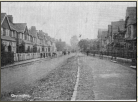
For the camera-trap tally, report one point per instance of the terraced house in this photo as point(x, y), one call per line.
point(33, 33)
point(8, 33)
point(25, 43)
point(118, 33)
point(131, 28)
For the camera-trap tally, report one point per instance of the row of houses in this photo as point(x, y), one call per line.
point(120, 35)
point(18, 38)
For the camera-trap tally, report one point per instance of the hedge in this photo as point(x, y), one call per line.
point(7, 58)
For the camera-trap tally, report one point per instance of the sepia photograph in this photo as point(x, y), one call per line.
point(68, 51)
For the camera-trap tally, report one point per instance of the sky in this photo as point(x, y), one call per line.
point(62, 20)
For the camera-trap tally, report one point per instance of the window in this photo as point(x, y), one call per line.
point(7, 32)
point(48, 49)
point(27, 37)
point(23, 37)
point(11, 34)
point(20, 35)
point(4, 32)
point(15, 34)
point(1, 31)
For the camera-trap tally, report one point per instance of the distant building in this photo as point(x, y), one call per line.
point(102, 36)
point(40, 41)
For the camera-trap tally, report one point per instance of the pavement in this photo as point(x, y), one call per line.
point(104, 80)
point(23, 62)
point(118, 60)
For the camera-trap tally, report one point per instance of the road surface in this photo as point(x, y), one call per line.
point(19, 76)
point(99, 79)
point(104, 80)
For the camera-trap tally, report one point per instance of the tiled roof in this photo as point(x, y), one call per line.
point(2, 16)
point(12, 26)
point(7, 38)
point(131, 13)
point(118, 25)
point(40, 34)
point(33, 31)
point(20, 27)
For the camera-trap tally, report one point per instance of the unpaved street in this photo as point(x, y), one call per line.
point(104, 80)
point(19, 77)
point(55, 79)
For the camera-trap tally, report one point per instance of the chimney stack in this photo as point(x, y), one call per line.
point(10, 18)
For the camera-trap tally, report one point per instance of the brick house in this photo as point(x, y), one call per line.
point(8, 34)
point(24, 38)
point(118, 33)
point(131, 28)
point(40, 38)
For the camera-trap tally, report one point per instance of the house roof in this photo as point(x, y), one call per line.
point(20, 27)
point(33, 31)
point(8, 38)
point(40, 34)
point(118, 26)
point(3, 15)
point(131, 14)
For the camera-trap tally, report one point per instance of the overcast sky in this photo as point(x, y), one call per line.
point(65, 19)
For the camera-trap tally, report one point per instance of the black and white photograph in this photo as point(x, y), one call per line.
point(68, 51)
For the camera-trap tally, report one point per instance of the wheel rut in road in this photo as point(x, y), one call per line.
point(86, 82)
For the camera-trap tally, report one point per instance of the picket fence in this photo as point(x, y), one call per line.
point(27, 56)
